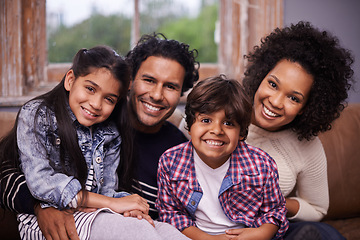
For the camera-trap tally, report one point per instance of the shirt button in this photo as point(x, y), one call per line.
point(98, 159)
point(193, 203)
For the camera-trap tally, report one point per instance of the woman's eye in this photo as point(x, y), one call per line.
point(272, 84)
point(295, 99)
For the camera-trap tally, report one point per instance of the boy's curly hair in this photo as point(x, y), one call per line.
point(320, 54)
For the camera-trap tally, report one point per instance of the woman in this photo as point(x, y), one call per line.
point(298, 79)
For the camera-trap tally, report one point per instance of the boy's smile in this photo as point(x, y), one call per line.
point(214, 137)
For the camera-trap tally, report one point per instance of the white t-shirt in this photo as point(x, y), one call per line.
point(209, 215)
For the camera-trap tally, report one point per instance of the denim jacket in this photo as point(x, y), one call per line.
point(39, 154)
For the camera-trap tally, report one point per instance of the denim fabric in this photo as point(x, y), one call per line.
point(39, 152)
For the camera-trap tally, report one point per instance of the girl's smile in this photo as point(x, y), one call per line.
point(93, 97)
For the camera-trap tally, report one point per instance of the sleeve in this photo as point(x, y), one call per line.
point(15, 194)
point(273, 209)
point(312, 184)
point(44, 183)
point(111, 163)
point(169, 206)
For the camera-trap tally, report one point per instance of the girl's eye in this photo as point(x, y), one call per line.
point(110, 100)
point(89, 88)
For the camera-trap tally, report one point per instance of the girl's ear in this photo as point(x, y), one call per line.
point(69, 80)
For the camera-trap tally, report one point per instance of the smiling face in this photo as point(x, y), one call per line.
point(155, 92)
point(214, 137)
point(93, 97)
point(281, 96)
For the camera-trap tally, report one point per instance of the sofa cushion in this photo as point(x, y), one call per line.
point(342, 149)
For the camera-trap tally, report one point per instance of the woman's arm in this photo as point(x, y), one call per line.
point(312, 192)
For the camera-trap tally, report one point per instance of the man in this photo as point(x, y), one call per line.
point(162, 70)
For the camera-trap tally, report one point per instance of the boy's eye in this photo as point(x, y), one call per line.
point(229, 123)
point(205, 120)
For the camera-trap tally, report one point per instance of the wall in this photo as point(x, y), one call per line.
point(342, 18)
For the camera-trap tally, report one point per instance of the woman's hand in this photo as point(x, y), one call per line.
point(292, 206)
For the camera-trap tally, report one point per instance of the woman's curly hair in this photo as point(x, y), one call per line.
point(320, 54)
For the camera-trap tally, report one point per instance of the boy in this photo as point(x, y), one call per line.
point(216, 186)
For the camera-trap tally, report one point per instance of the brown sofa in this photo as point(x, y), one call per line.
point(342, 147)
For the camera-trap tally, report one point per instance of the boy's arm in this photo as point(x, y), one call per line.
point(265, 231)
point(273, 209)
point(195, 233)
point(170, 201)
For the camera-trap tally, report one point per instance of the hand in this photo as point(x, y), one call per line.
point(292, 206)
point(129, 203)
point(265, 231)
point(56, 224)
point(139, 215)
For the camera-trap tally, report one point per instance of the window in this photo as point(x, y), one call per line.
point(25, 71)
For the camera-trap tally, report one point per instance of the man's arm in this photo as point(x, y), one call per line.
point(14, 193)
point(15, 196)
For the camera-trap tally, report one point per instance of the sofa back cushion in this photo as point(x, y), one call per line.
point(342, 149)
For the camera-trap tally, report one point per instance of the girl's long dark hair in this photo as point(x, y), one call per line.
point(56, 100)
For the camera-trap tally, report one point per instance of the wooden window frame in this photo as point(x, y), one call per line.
point(25, 71)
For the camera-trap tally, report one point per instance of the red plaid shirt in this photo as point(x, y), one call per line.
point(249, 194)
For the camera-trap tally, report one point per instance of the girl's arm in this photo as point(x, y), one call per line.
point(39, 158)
point(119, 205)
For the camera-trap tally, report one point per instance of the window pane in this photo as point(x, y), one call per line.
point(189, 21)
point(72, 25)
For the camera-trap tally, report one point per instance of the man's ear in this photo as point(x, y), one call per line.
point(69, 80)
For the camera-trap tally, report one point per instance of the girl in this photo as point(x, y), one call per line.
point(68, 142)
point(298, 79)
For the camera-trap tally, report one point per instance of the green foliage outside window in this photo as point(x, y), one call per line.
point(115, 31)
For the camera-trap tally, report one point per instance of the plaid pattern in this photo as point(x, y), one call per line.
point(249, 194)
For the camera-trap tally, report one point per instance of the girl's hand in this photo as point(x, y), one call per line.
point(139, 215)
point(129, 203)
